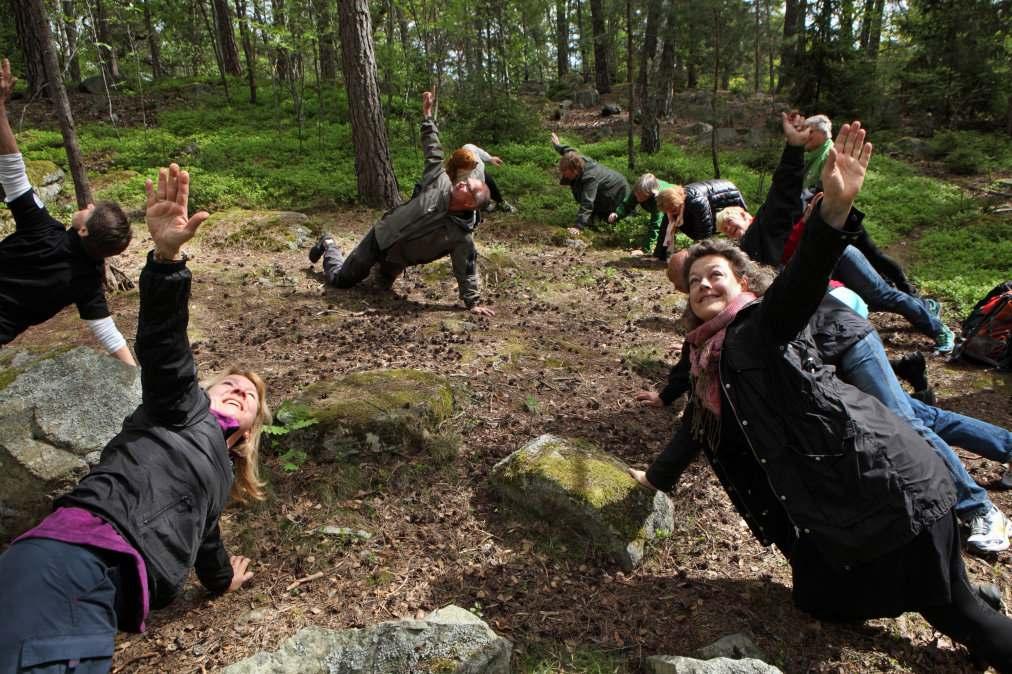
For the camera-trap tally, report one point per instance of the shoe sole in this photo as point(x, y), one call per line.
point(316, 252)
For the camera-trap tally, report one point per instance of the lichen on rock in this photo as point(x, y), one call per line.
point(572, 481)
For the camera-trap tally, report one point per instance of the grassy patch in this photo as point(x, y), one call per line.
point(553, 658)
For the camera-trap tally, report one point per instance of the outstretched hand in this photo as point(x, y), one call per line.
point(7, 81)
point(555, 139)
point(843, 174)
point(794, 133)
point(167, 213)
point(428, 99)
point(240, 572)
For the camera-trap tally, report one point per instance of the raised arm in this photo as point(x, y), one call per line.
point(169, 385)
point(13, 177)
point(431, 147)
point(799, 289)
point(560, 147)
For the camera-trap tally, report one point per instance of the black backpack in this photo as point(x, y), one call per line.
point(987, 331)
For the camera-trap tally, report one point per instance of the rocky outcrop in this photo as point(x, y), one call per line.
point(369, 412)
point(57, 411)
point(576, 484)
point(586, 98)
point(448, 641)
point(46, 177)
point(733, 654)
point(269, 231)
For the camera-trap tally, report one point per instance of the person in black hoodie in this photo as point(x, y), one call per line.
point(45, 266)
point(125, 538)
point(853, 497)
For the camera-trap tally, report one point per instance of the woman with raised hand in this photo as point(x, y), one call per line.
point(124, 539)
point(854, 497)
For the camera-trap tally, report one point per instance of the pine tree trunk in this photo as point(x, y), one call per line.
point(875, 30)
point(282, 62)
point(247, 49)
point(31, 47)
point(108, 54)
point(226, 38)
point(154, 44)
point(650, 137)
point(666, 70)
point(39, 24)
point(584, 50)
point(562, 38)
point(70, 28)
point(602, 77)
point(328, 46)
point(377, 185)
point(789, 45)
point(713, 100)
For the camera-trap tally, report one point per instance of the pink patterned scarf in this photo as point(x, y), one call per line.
point(704, 357)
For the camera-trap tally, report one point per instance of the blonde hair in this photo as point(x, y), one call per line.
point(460, 164)
point(646, 184)
point(571, 161)
point(247, 485)
point(671, 198)
point(725, 214)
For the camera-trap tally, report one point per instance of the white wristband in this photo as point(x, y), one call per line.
point(107, 334)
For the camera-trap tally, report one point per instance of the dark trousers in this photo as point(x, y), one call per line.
point(344, 272)
point(59, 609)
point(493, 189)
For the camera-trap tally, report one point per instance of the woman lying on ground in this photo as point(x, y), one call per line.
point(853, 496)
point(124, 539)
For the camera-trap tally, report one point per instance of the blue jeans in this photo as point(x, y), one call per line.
point(866, 367)
point(987, 440)
point(59, 603)
point(855, 272)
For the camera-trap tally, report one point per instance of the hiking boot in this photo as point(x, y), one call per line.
point(927, 396)
point(991, 596)
point(325, 241)
point(507, 207)
point(912, 369)
point(489, 207)
point(945, 341)
point(935, 307)
point(988, 532)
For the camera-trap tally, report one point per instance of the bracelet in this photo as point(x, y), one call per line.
point(183, 257)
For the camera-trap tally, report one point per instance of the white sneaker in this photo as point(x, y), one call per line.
point(989, 532)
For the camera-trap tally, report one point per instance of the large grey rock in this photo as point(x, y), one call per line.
point(574, 483)
point(738, 645)
point(46, 177)
point(727, 136)
point(918, 148)
point(94, 85)
point(56, 409)
point(268, 231)
point(450, 640)
point(586, 98)
point(758, 136)
point(676, 664)
point(699, 129)
point(368, 411)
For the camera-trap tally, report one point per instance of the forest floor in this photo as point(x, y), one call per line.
point(577, 333)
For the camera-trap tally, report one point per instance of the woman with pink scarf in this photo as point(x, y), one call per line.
point(857, 501)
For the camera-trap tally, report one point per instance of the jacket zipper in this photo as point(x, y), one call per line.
point(151, 518)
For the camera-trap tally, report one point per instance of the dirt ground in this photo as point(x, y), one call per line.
point(576, 335)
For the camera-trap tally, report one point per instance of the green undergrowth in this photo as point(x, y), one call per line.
point(256, 157)
point(555, 658)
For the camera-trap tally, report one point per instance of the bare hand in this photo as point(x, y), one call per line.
point(575, 231)
point(555, 139)
point(794, 134)
point(612, 218)
point(479, 310)
point(650, 398)
point(641, 477)
point(843, 173)
point(428, 98)
point(7, 81)
point(240, 572)
point(167, 212)
point(496, 160)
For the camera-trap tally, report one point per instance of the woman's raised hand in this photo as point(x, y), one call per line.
point(843, 173)
point(167, 213)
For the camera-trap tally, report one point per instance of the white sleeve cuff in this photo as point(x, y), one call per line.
point(13, 176)
point(107, 334)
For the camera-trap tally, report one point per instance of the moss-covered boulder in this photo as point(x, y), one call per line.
point(57, 410)
point(269, 231)
point(572, 482)
point(46, 177)
point(374, 411)
point(448, 641)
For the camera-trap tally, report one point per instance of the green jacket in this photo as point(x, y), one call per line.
point(814, 161)
point(422, 229)
point(599, 190)
point(627, 207)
